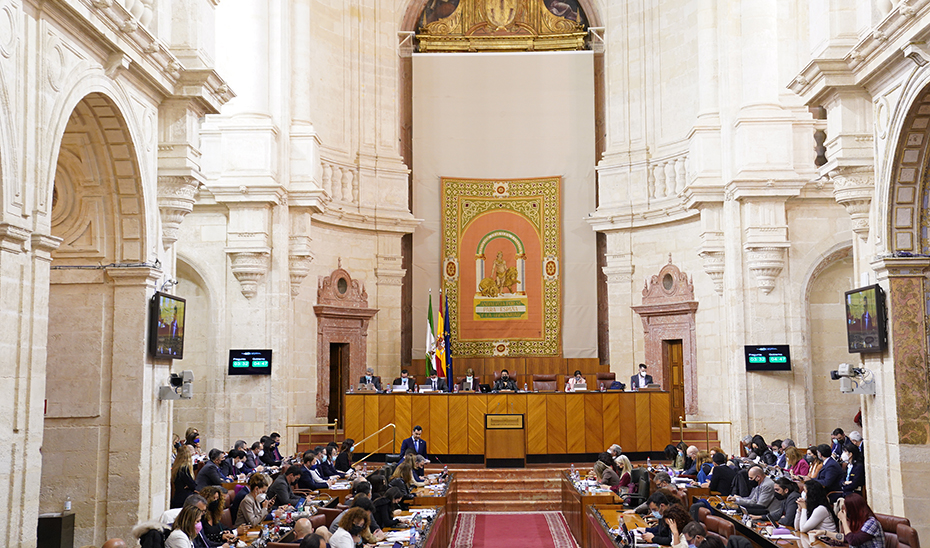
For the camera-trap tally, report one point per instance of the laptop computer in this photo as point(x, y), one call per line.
point(580, 387)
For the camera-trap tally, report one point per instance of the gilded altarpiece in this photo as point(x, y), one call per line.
point(501, 266)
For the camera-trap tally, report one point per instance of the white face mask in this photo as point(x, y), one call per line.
point(239, 464)
point(804, 495)
point(260, 498)
point(261, 452)
point(845, 457)
point(468, 379)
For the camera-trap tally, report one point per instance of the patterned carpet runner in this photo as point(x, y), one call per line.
point(509, 530)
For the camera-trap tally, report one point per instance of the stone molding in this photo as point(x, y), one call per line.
point(766, 262)
point(619, 269)
point(43, 245)
point(13, 238)
point(853, 188)
point(389, 270)
point(176, 197)
point(134, 275)
point(249, 267)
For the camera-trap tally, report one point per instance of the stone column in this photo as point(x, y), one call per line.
point(387, 324)
point(619, 272)
point(139, 439)
point(24, 283)
point(853, 188)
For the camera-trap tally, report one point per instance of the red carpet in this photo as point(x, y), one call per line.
point(510, 530)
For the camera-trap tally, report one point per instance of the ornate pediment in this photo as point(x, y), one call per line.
point(501, 25)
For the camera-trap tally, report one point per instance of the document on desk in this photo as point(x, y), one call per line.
point(784, 537)
point(398, 536)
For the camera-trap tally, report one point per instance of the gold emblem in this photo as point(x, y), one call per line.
point(500, 13)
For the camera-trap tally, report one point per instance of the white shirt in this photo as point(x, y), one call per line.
point(642, 380)
point(170, 515)
point(819, 519)
point(341, 539)
point(177, 539)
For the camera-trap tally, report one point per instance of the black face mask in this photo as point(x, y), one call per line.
point(212, 507)
point(356, 529)
point(780, 496)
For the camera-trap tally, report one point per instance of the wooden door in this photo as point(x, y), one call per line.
point(674, 363)
point(338, 380)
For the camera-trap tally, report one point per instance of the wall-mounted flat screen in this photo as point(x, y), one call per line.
point(250, 362)
point(166, 326)
point(865, 320)
point(771, 357)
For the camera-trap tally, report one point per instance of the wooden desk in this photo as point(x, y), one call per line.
point(601, 518)
point(760, 541)
point(556, 423)
point(574, 503)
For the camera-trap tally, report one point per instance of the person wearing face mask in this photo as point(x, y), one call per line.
point(831, 475)
point(854, 469)
point(253, 461)
point(838, 440)
point(505, 383)
point(370, 378)
point(310, 477)
point(786, 492)
point(182, 477)
point(185, 529)
point(281, 491)
point(660, 534)
point(256, 505)
point(778, 449)
point(192, 438)
point(797, 464)
point(576, 378)
point(344, 459)
point(268, 452)
point(814, 462)
point(815, 513)
point(326, 466)
point(691, 536)
point(350, 529)
point(405, 381)
point(211, 473)
point(642, 380)
point(761, 499)
point(676, 518)
point(470, 382)
point(234, 463)
point(212, 528)
point(721, 479)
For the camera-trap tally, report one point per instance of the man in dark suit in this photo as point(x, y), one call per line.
point(831, 475)
point(437, 384)
point(414, 442)
point(405, 380)
point(210, 474)
point(470, 382)
point(370, 378)
point(722, 477)
point(281, 489)
point(309, 477)
point(253, 461)
point(642, 380)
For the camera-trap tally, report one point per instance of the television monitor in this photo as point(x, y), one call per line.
point(865, 320)
point(166, 326)
point(250, 362)
point(770, 357)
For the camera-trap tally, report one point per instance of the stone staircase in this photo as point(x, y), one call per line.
point(696, 436)
point(308, 440)
point(509, 489)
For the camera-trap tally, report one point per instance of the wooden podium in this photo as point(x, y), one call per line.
point(504, 441)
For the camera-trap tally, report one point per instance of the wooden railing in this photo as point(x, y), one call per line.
point(382, 446)
point(681, 427)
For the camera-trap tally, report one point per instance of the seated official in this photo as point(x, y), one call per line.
point(210, 474)
point(184, 529)
point(854, 478)
point(281, 491)
point(232, 466)
point(813, 460)
point(721, 478)
point(625, 468)
point(693, 534)
point(576, 378)
point(404, 472)
point(815, 512)
point(831, 475)
point(676, 519)
point(212, 527)
point(253, 461)
point(761, 499)
point(373, 533)
point(302, 530)
point(858, 525)
point(787, 494)
point(705, 466)
point(169, 516)
point(690, 466)
point(370, 378)
point(344, 458)
point(385, 506)
point(505, 382)
point(268, 453)
point(642, 380)
point(309, 477)
point(796, 464)
point(436, 383)
point(660, 534)
point(327, 463)
point(255, 505)
point(314, 541)
point(606, 472)
point(405, 381)
point(348, 535)
point(470, 383)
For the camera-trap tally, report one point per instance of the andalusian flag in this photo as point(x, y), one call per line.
point(439, 361)
point(430, 339)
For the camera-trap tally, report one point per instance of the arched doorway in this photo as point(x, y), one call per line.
point(100, 411)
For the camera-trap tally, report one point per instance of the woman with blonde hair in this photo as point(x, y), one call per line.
point(704, 466)
point(626, 472)
point(255, 506)
point(184, 529)
point(182, 477)
point(797, 465)
point(404, 471)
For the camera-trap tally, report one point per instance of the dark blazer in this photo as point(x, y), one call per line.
point(662, 532)
point(440, 384)
point(374, 380)
point(306, 480)
point(343, 461)
point(268, 457)
point(184, 486)
point(509, 384)
point(251, 462)
point(228, 468)
point(634, 380)
point(411, 383)
point(419, 449)
point(282, 492)
point(210, 475)
point(830, 476)
point(474, 385)
point(789, 508)
point(327, 470)
point(384, 513)
point(722, 479)
point(856, 478)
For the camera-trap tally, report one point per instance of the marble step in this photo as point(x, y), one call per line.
point(515, 495)
point(509, 473)
point(523, 483)
point(510, 506)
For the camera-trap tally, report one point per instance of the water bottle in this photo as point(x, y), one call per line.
point(67, 504)
point(445, 470)
point(648, 463)
point(526, 387)
point(413, 536)
point(602, 387)
point(456, 388)
point(365, 468)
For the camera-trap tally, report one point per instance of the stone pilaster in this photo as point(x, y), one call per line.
point(176, 195)
point(853, 188)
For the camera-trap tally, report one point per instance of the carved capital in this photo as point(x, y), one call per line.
point(249, 267)
point(13, 238)
point(175, 200)
point(766, 263)
point(853, 188)
point(389, 271)
point(714, 266)
point(299, 268)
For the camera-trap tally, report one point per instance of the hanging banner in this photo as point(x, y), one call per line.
point(501, 256)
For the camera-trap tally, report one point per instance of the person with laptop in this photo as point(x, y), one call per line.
point(642, 380)
point(576, 383)
point(371, 379)
point(470, 382)
point(404, 383)
point(505, 382)
point(435, 383)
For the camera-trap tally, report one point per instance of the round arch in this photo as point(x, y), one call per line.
point(408, 22)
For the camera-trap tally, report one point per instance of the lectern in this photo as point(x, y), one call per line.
point(504, 441)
